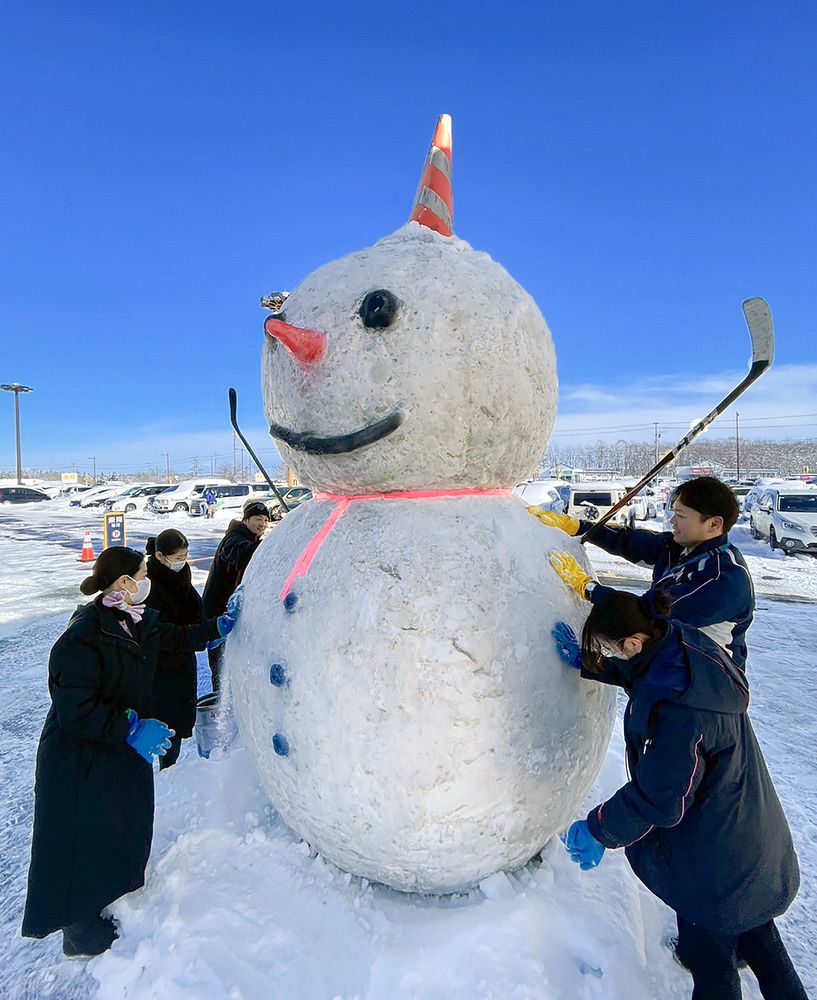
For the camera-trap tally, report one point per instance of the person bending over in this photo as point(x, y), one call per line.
point(699, 820)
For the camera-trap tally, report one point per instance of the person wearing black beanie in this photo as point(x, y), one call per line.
point(93, 790)
point(232, 557)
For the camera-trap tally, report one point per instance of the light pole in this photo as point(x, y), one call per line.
point(16, 388)
point(92, 458)
point(167, 461)
point(737, 448)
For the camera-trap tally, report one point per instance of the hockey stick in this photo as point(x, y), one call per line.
point(759, 321)
point(234, 421)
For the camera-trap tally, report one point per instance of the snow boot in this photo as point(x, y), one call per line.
point(89, 937)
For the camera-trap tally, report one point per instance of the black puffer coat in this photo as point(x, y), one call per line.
point(173, 699)
point(231, 559)
point(699, 818)
point(93, 810)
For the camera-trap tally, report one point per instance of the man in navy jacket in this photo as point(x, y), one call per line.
point(705, 574)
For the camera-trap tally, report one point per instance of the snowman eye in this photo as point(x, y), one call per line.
point(378, 309)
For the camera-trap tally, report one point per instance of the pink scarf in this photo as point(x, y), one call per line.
point(304, 560)
point(116, 599)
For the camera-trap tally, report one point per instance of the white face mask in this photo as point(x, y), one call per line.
point(142, 591)
point(175, 566)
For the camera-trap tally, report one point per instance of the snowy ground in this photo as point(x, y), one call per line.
point(237, 907)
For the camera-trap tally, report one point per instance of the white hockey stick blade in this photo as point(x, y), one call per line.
point(759, 320)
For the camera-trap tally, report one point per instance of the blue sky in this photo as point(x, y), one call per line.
point(640, 167)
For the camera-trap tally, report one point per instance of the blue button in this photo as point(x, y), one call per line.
point(280, 745)
point(278, 675)
point(290, 601)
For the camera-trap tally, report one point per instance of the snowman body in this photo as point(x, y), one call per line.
point(393, 672)
point(431, 734)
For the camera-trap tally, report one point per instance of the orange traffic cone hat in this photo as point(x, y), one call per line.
point(433, 205)
point(87, 549)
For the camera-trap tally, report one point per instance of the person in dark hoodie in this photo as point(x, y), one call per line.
point(93, 788)
point(696, 563)
point(172, 594)
point(699, 820)
point(232, 557)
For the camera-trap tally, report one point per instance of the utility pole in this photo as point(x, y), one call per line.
point(16, 388)
point(241, 454)
point(167, 464)
point(233, 456)
point(657, 439)
point(737, 448)
point(92, 458)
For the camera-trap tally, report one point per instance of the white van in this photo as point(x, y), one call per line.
point(591, 500)
point(180, 496)
point(230, 497)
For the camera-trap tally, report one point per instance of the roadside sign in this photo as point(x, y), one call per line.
point(69, 477)
point(113, 528)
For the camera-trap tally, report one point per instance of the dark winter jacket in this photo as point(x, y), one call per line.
point(711, 587)
point(93, 794)
point(699, 818)
point(231, 559)
point(173, 699)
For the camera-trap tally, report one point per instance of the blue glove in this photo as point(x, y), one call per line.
point(226, 623)
point(148, 737)
point(567, 644)
point(582, 846)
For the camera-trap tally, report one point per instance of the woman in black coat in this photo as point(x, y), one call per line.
point(699, 819)
point(93, 809)
point(172, 594)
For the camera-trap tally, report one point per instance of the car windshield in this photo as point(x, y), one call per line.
point(798, 503)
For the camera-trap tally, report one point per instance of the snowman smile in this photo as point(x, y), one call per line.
point(338, 444)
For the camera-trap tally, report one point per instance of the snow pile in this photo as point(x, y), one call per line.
point(236, 907)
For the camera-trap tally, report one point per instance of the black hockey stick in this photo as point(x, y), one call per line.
point(234, 421)
point(759, 321)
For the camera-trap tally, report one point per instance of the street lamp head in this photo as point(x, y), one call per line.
point(16, 387)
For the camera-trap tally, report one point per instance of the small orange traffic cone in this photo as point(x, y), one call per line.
point(433, 203)
point(87, 549)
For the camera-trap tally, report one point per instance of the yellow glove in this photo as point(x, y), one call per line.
point(571, 572)
point(553, 520)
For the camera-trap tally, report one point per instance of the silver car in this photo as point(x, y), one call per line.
point(787, 517)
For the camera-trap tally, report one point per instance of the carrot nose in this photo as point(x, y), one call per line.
point(306, 346)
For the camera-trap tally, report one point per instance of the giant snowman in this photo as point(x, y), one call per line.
point(393, 673)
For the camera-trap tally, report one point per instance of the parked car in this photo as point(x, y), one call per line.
point(787, 516)
point(135, 498)
point(642, 507)
point(293, 497)
point(231, 497)
point(22, 494)
point(542, 493)
point(756, 491)
point(178, 497)
point(96, 496)
point(589, 501)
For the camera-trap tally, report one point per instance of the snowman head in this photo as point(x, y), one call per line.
point(416, 363)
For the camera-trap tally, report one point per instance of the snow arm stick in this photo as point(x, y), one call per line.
point(233, 397)
point(759, 321)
